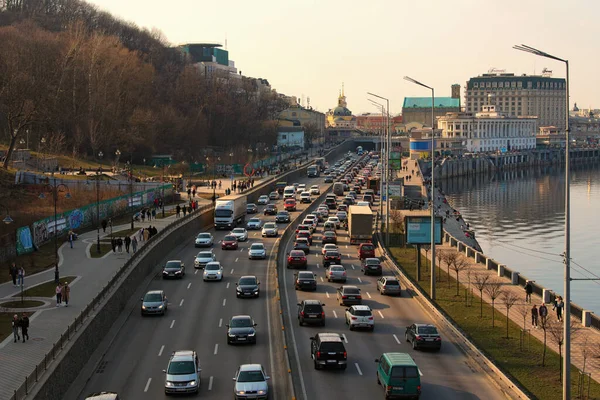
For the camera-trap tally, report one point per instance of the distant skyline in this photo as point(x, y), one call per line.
point(308, 49)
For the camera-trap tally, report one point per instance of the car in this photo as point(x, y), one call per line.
point(422, 336)
point(329, 226)
point(331, 257)
point(154, 302)
point(352, 194)
point(257, 250)
point(240, 233)
point(270, 229)
point(335, 220)
point(331, 203)
point(301, 187)
point(305, 234)
point(251, 208)
point(366, 250)
point(182, 373)
point(296, 259)
point(336, 272)
point(263, 200)
point(282, 216)
point(305, 197)
point(203, 258)
point(324, 211)
point(319, 215)
point(356, 189)
point(314, 189)
point(328, 350)
point(360, 317)
point(313, 219)
point(303, 227)
point(311, 312)
point(251, 383)
point(247, 286)
point(229, 242)
point(363, 203)
point(348, 295)
point(254, 224)
point(204, 239)
point(302, 244)
point(328, 179)
point(173, 269)
point(329, 247)
point(389, 285)
point(290, 204)
point(295, 185)
point(305, 280)
point(213, 271)
point(342, 215)
point(241, 329)
point(273, 196)
point(342, 207)
point(270, 209)
point(371, 266)
point(348, 200)
point(329, 237)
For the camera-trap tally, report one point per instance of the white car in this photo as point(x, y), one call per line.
point(364, 203)
point(301, 187)
point(203, 258)
point(314, 189)
point(270, 229)
point(329, 247)
point(342, 215)
point(213, 271)
point(360, 317)
point(262, 200)
point(313, 218)
point(324, 211)
point(204, 239)
point(274, 196)
point(257, 250)
point(334, 220)
point(254, 224)
point(305, 197)
point(250, 379)
point(240, 233)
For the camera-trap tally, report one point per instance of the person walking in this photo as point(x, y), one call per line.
point(143, 212)
point(534, 317)
point(15, 328)
point(66, 293)
point(558, 306)
point(13, 272)
point(70, 235)
point(528, 291)
point(134, 244)
point(21, 277)
point(104, 224)
point(120, 244)
point(127, 243)
point(141, 234)
point(58, 292)
point(113, 244)
point(24, 323)
point(543, 311)
point(56, 274)
point(146, 235)
point(154, 213)
point(177, 211)
point(184, 210)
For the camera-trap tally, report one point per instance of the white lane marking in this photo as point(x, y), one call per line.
point(334, 314)
point(189, 284)
point(368, 294)
point(147, 385)
point(420, 373)
point(195, 272)
point(318, 266)
point(397, 340)
point(348, 255)
point(352, 266)
point(161, 350)
point(224, 301)
point(380, 314)
point(327, 294)
point(231, 273)
point(236, 260)
point(220, 322)
point(346, 246)
point(345, 338)
point(358, 369)
point(172, 324)
point(210, 382)
point(359, 280)
point(227, 287)
point(322, 279)
point(216, 348)
point(241, 250)
point(181, 303)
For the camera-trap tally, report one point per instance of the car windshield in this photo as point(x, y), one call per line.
point(173, 264)
point(223, 213)
point(238, 230)
point(181, 368)
point(367, 247)
point(404, 372)
point(337, 268)
point(427, 330)
point(204, 254)
point(312, 308)
point(203, 236)
point(264, 197)
point(257, 246)
point(250, 205)
point(329, 234)
point(230, 238)
point(270, 225)
point(362, 313)
point(251, 376)
point(332, 347)
point(332, 254)
point(284, 213)
point(351, 291)
point(391, 282)
point(254, 220)
point(306, 276)
point(302, 241)
point(297, 254)
point(372, 262)
point(212, 267)
point(241, 323)
point(153, 297)
point(247, 281)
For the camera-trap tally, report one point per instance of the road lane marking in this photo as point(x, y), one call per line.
point(227, 287)
point(210, 382)
point(327, 294)
point(147, 385)
point(189, 284)
point(348, 255)
point(181, 303)
point(216, 348)
point(161, 350)
point(241, 250)
point(358, 369)
point(368, 294)
point(346, 246)
point(334, 314)
point(224, 301)
point(397, 340)
point(236, 260)
point(420, 373)
point(195, 272)
point(172, 324)
point(380, 314)
point(322, 279)
point(220, 322)
point(359, 280)
point(318, 266)
point(345, 338)
point(352, 266)
point(231, 273)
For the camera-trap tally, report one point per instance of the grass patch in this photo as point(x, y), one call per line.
point(125, 232)
point(34, 262)
point(24, 304)
point(5, 324)
point(525, 365)
point(168, 213)
point(47, 289)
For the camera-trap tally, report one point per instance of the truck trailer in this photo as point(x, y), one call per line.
point(230, 211)
point(360, 224)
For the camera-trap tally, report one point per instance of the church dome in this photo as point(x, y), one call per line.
point(342, 111)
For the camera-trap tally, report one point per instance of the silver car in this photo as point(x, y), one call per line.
point(257, 250)
point(335, 273)
point(262, 200)
point(204, 239)
point(270, 229)
point(240, 233)
point(213, 271)
point(254, 224)
point(154, 302)
point(251, 382)
point(182, 373)
point(203, 258)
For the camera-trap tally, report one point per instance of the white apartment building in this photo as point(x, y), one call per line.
point(488, 130)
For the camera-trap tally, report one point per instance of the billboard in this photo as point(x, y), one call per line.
point(418, 229)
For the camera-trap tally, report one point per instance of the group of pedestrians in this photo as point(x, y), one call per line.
point(17, 275)
point(192, 206)
point(539, 316)
point(145, 234)
point(129, 242)
point(20, 325)
point(63, 294)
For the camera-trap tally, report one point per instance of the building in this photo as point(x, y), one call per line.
point(488, 130)
point(525, 95)
point(373, 123)
point(418, 109)
point(290, 137)
point(341, 117)
point(296, 115)
point(210, 59)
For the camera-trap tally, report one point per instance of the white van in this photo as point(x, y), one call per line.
point(289, 192)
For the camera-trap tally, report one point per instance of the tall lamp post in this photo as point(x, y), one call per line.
point(98, 174)
point(55, 189)
point(382, 144)
point(566, 367)
point(432, 203)
point(130, 179)
point(231, 163)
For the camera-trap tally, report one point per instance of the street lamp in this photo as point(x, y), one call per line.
point(55, 189)
point(566, 367)
point(118, 154)
point(231, 163)
point(381, 143)
point(7, 220)
point(130, 178)
point(432, 203)
point(214, 196)
point(98, 173)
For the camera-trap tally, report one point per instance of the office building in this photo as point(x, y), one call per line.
point(416, 111)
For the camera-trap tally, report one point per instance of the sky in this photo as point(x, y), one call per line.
point(309, 48)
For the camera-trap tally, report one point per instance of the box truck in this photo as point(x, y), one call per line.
point(230, 211)
point(360, 224)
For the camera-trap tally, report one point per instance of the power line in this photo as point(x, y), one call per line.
point(528, 249)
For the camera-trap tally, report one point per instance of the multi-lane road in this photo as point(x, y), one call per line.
point(199, 311)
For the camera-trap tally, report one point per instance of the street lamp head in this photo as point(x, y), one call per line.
point(8, 220)
point(408, 78)
point(118, 152)
point(100, 154)
point(532, 50)
point(43, 140)
point(68, 195)
point(42, 196)
point(22, 141)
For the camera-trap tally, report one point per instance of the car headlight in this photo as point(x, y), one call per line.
point(240, 392)
point(170, 384)
point(143, 307)
point(252, 334)
point(193, 383)
point(238, 289)
point(177, 272)
point(165, 272)
point(256, 290)
point(230, 335)
point(159, 307)
point(262, 392)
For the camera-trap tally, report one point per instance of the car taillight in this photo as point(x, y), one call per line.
point(354, 318)
point(302, 313)
point(359, 297)
point(345, 355)
point(370, 318)
point(438, 339)
point(318, 354)
point(419, 388)
point(344, 273)
point(303, 258)
point(344, 297)
point(417, 337)
point(322, 314)
point(289, 259)
point(388, 388)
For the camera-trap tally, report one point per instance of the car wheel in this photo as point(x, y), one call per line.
point(317, 366)
point(350, 326)
point(344, 367)
point(300, 322)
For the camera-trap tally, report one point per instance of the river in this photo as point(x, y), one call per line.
point(518, 218)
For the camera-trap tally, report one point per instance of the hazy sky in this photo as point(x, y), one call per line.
point(308, 48)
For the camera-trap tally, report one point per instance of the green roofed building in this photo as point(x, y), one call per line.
point(418, 109)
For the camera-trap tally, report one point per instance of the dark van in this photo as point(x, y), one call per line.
point(279, 186)
point(399, 376)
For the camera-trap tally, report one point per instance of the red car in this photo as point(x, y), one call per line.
point(296, 259)
point(302, 227)
point(290, 205)
point(229, 242)
point(366, 250)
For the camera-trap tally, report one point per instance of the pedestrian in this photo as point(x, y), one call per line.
point(143, 212)
point(13, 273)
point(104, 223)
point(24, 323)
point(120, 244)
point(184, 210)
point(154, 213)
point(154, 230)
point(127, 243)
point(141, 234)
point(134, 244)
point(219, 184)
point(189, 209)
point(189, 192)
point(70, 236)
point(528, 291)
point(177, 211)
point(194, 193)
point(146, 235)
point(534, 317)
point(148, 214)
point(543, 311)
point(558, 306)
point(66, 293)
point(113, 244)
point(15, 327)
point(56, 274)
point(21, 277)
point(58, 292)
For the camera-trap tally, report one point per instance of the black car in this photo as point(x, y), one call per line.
point(423, 336)
point(328, 179)
point(247, 286)
point(270, 209)
point(328, 350)
point(371, 266)
point(305, 280)
point(332, 257)
point(241, 329)
point(331, 203)
point(329, 237)
point(173, 269)
point(251, 208)
point(302, 244)
point(311, 312)
point(282, 216)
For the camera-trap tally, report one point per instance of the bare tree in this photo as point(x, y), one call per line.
point(544, 323)
point(480, 281)
point(508, 299)
point(458, 264)
point(449, 258)
point(440, 256)
point(397, 220)
point(494, 290)
point(557, 336)
point(524, 311)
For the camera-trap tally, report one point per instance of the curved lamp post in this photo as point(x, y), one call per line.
point(98, 173)
point(7, 220)
point(55, 189)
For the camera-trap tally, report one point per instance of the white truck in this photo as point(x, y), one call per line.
point(230, 211)
point(360, 224)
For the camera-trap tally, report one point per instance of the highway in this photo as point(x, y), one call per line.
point(197, 314)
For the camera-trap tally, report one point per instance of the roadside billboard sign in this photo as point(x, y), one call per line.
point(418, 229)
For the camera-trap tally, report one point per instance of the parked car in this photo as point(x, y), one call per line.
point(251, 208)
point(254, 224)
point(263, 200)
point(328, 350)
point(247, 286)
point(229, 242)
point(348, 295)
point(297, 259)
point(311, 312)
point(336, 273)
point(240, 233)
point(241, 329)
point(182, 373)
point(173, 269)
point(389, 285)
point(203, 258)
point(213, 271)
point(371, 266)
point(204, 239)
point(250, 380)
point(270, 229)
point(422, 336)
point(360, 316)
point(257, 250)
point(154, 302)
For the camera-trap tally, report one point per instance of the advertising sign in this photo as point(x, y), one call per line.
point(418, 230)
